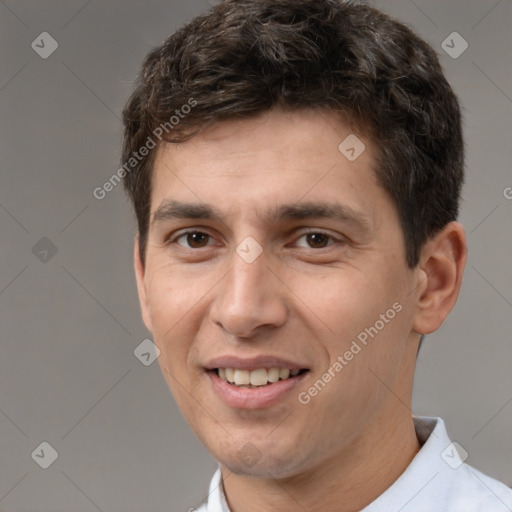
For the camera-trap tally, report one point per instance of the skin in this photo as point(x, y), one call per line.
point(303, 299)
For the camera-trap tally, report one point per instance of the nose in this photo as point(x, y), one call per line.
point(250, 299)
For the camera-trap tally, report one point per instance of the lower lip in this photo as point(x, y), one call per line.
point(253, 398)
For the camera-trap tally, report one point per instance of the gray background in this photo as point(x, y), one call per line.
point(69, 325)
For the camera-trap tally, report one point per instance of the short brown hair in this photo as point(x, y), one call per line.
point(247, 56)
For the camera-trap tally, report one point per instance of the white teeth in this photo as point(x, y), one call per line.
point(230, 375)
point(259, 377)
point(242, 377)
point(273, 375)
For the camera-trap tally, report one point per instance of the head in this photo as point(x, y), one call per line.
point(261, 244)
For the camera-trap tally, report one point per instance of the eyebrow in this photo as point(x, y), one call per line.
point(171, 210)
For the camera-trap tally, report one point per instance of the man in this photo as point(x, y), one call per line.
point(296, 169)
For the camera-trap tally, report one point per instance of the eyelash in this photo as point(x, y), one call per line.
point(173, 240)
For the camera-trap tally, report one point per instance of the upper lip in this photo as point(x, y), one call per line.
point(252, 363)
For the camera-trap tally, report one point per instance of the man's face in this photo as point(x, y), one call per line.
point(266, 280)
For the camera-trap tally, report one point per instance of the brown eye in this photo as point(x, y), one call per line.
point(194, 239)
point(316, 240)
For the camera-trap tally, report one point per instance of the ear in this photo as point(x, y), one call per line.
point(440, 271)
point(140, 272)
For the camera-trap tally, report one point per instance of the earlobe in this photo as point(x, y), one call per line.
point(440, 272)
point(141, 286)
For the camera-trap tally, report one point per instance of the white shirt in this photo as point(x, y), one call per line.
point(436, 480)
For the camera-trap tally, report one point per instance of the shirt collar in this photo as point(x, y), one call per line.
point(436, 479)
point(216, 497)
point(420, 476)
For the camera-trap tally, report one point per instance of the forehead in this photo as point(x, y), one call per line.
point(275, 158)
point(310, 133)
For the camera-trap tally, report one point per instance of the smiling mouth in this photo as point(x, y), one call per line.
point(256, 378)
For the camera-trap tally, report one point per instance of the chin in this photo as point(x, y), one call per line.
point(264, 468)
point(259, 460)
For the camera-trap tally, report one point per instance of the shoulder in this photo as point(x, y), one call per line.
point(472, 491)
point(438, 479)
point(455, 485)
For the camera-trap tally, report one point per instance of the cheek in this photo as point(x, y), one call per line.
point(346, 302)
point(365, 324)
point(170, 303)
point(376, 354)
point(171, 296)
